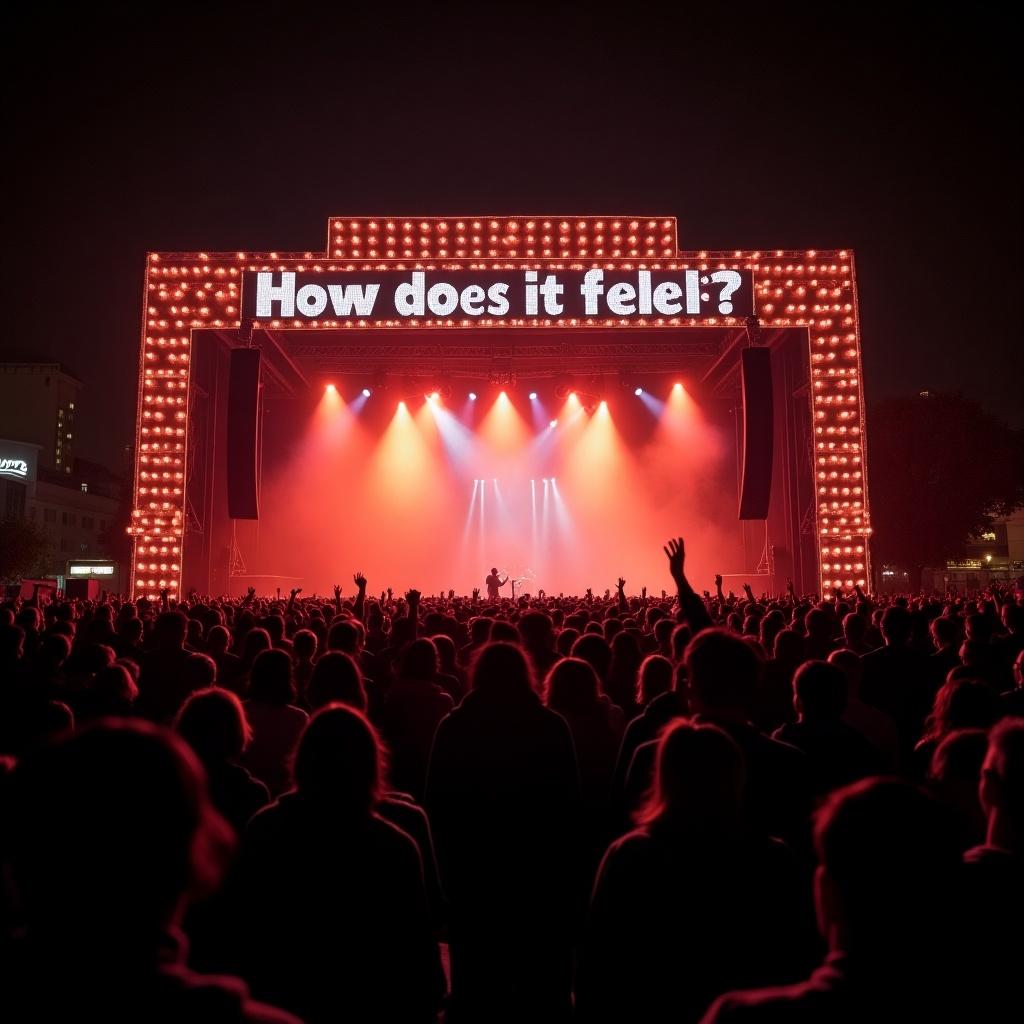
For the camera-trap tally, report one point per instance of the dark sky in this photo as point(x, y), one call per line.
point(245, 128)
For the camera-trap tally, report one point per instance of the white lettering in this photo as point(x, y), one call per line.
point(473, 300)
point(644, 303)
point(551, 289)
point(531, 292)
point(442, 299)
point(590, 289)
point(497, 303)
point(267, 293)
point(345, 298)
point(620, 299)
point(311, 300)
point(692, 292)
point(664, 298)
point(410, 298)
point(14, 467)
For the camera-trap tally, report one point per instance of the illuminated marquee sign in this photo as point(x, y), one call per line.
point(378, 272)
point(13, 467)
point(496, 295)
point(91, 570)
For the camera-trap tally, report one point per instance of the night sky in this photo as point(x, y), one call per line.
point(247, 128)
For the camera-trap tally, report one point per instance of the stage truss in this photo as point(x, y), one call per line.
point(187, 292)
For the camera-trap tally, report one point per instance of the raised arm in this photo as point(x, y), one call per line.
point(413, 599)
point(691, 605)
point(621, 587)
point(360, 582)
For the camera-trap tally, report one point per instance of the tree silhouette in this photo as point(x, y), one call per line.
point(23, 549)
point(940, 469)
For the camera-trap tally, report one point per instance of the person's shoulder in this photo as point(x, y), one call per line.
point(393, 840)
point(215, 997)
point(814, 1000)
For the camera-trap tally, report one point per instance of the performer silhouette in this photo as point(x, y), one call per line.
point(493, 583)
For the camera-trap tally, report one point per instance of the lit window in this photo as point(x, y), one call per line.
point(85, 488)
point(71, 405)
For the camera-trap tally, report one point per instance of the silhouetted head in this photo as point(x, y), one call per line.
point(12, 643)
point(214, 725)
point(654, 678)
point(722, 672)
point(127, 801)
point(566, 639)
point(494, 572)
point(113, 691)
point(850, 664)
point(819, 692)
point(594, 649)
point(819, 624)
point(344, 636)
point(504, 632)
point(571, 687)
point(480, 629)
point(418, 660)
point(256, 641)
point(169, 631)
point(501, 670)
point(218, 640)
point(896, 625)
point(446, 653)
point(698, 780)
point(304, 644)
point(199, 671)
point(854, 628)
point(1002, 785)
point(886, 849)
point(535, 631)
point(789, 646)
point(336, 679)
point(963, 704)
point(270, 679)
point(339, 761)
point(954, 776)
point(945, 631)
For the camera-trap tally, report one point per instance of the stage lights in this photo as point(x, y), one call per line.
point(331, 389)
point(638, 392)
point(367, 392)
point(533, 396)
point(472, 396)
point(434, 396)
point(553, 423)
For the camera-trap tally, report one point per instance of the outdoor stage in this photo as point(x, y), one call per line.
point(553, 396)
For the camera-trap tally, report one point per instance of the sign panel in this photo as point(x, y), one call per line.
point(496, 295)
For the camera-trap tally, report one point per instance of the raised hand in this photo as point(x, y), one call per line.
point(296, 591)
point(476, 593)
point(718, 581)
point(675, 551)
point(451, 595)
point(413, 597)
point(621, 584)
point(337, 591)
point(359, 579)
point(643, 593)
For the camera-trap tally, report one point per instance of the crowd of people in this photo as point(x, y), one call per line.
point(406, 808)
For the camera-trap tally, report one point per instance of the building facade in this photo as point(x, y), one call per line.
point(76, 508)
point(37, 404)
